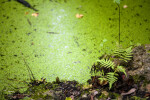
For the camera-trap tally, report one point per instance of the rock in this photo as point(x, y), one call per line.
point(148, 88)
point(94, 92)
point(49, 92)
point(84, 95)
point(147, 47)
point(86, 86)
point(40, 99)
point(105, 93)
point(142, 88)
point(140, 65)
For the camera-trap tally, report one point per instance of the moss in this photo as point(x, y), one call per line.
point(137, 79)
point(138, 98)
point(102, 96)
point(148, 51)
point(114, 95)
point(68, 98)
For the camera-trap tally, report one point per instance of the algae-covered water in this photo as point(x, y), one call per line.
point(56, 43)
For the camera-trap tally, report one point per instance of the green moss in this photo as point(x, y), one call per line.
point(138, 98)
point(68, 98)
point(138, 78)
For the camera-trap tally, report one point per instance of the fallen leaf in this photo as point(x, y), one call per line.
point(79, 15)
point(35, 14)
point(26, 13)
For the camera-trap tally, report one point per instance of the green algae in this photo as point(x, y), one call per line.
point(79, 42)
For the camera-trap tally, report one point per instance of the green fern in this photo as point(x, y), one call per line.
point(96, 73)
point(123, 54)
point(106, 63)
point(102, 77)
point(111, 77)
point(121, 69)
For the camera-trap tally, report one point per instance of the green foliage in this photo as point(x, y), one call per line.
point(102, 76)
point(68, 98)
point(107, 70)
point(138, 98)
point(121, 69)
point(123, 54)
point(106, 63)
point(99, 73)
point(111, 77)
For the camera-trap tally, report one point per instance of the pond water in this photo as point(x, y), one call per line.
point(56, 43)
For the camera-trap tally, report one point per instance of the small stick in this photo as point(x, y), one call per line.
point(29, 70)
point(52, 33)
point(29, 22)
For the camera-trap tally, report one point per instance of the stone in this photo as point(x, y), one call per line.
point(140, 64)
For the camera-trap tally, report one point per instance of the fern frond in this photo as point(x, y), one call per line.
point(121, 69)
point(123, 54)
point(106, 63)
point(111, 77)
point(96, 73)
point(103, 79)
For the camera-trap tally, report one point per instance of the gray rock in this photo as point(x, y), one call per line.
point(140, 65)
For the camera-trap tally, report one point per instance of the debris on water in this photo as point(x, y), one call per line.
point(125, 6)
point(26, 13)
point(29, 22)
point(52, 33)
point(79, 15)
point(35, 14)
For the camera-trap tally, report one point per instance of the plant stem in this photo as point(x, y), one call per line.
point(29, 70)
point(119, 22)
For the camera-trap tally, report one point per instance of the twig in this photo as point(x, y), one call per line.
point(29, 22)
point(29, 70)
